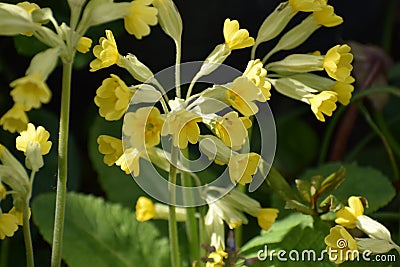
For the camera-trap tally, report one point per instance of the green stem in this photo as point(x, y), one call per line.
point(27, 236)
point(389, 150)
point(172, 223)
point(191, 221)
point(192, 83)
point(253, 51)
point(178, 69)
point(4, 252)
point(329, 133)
point(62, 166)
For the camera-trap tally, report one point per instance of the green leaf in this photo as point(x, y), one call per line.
point(360, 181)
point(118, 186)
point(101, 234)
point(295, 232)
point(279, 230)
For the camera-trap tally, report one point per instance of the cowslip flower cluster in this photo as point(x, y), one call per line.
point(144, 126)
point(344, 246)
point(293, 75)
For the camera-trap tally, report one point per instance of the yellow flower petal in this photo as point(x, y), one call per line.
point(266, 217)
point(348, 215)
point(323, 103)
point(110, 147)
point(8, 225)
point(30, 91)
point(106, 52)
point(31, 135)
point(242, 167)
point(112, 98)
point(337, 62)
point(145, 209)
point(15, 120)
point(84, 45)
point(141, 15)
point(236, 38)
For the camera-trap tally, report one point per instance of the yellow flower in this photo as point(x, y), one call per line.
point(256, 73)
point(236, 38)
point(141, 15)
point(8, 225)
point(242, 94)
point(15, 120)
point(307, 5)
point(341, 246)
point(242, 167)
point(232, 130)
point(106, 52)
point(266, 217)
point(3, 191)
point(348, 215)
point(182, 125)
point(323, 103)
point(112, 98)
point(129, 161)
point(326, 16)
point(19, 215)
point(29, 7)
point(84, 45)
point(337, 63)
point(144, 127)
point(216, 258)
point(145, 209)
point(31, 91)
point(110, 147)
point(343, 91)
point(33, 135)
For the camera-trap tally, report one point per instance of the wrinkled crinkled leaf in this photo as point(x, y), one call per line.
point(101, 234)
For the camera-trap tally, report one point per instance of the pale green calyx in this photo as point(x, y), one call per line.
point(34, 157)
point(137, 69)
point(274, 24)
point(215, 149)
point(15, 20)
point(44, 62)
point(169, 18)
point(214, 60)
point(301, 63)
